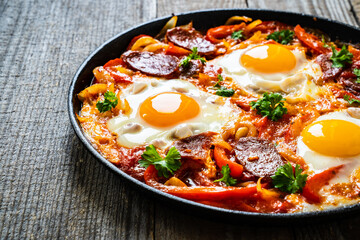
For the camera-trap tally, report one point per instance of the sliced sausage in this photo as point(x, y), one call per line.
point(329, 73)
point(259, 157)
point(190, 38)
point(155, 64)
point(195, 147)
point(348, 80)
point(350, 85)
point(194, 68)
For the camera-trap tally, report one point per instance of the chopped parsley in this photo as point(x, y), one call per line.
point(164, 166)
point(284, 36)
point(194, 55)
point(323, 42)
point(237, 35)
point(220, 79)
point(270, 105)
point(109, 102)
point(351, 100)
point(356, 71)
point(340, 58)
point(226, 178)
point(221, 90)
point(287, 180)
point(225, 92)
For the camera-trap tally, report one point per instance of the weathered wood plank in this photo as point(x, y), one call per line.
point(165, 7)
point(50, 186)
point(333, 9)
point(356, 9)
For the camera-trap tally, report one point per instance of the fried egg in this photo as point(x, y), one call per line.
point(274, 68)
point(165, 110)
point(331, 140)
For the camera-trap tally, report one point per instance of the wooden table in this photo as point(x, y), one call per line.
point(51, 187)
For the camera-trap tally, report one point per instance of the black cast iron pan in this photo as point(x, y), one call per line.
point(203, 20)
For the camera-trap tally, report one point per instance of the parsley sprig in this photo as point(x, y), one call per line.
point(226, 178)
point(220, 79)
point(284, 36)
point(340, 58)
point(109, 102)
point(351, 100)
point(288, 180)
point(221, 90)
point(194, 55)
point(270, 105)
point(165, 166)
point(356, 71)
point(325, 45)
point(237, 35)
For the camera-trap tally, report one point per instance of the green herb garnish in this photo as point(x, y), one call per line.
point(221, 90)
point(220, 79)
point(270, 105)
point(237, 35)
point(340, 58)
point(109, 102)
point(323, 42)
point(287, 180)
point(194, 55)
point(164, 166)
point(356, 71)
point(351, 100)
point(284, 36)
point(226, 178)
point(225, 92)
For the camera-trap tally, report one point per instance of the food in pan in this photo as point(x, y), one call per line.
point(255, 116)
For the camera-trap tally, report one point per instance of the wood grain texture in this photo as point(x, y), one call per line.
point(165, 7)
point(50, 186)
point(340, 10)
point(355, 8)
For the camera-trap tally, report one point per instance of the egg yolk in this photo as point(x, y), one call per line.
point(337, 138)
point(269, 58)
point(168, 109)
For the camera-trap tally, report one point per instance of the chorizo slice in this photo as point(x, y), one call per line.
point(348, 80)
point(190, 38)
point(259, 157)
point(329, 73)
point(155, 64)
point(350, 85)
point(195, 147)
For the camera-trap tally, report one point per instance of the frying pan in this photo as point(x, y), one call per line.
point(203, 20)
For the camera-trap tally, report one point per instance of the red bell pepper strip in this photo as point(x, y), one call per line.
point(215, 35)
point(222, 160)
point(119, 77)
point(310, 40)
point(114, 62)
point(199, 193)
point(315, 182)
point(355, 52)
point(176, 51)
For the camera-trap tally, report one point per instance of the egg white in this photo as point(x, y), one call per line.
point(296, 85)
point(215, 112)
point(318, 162)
